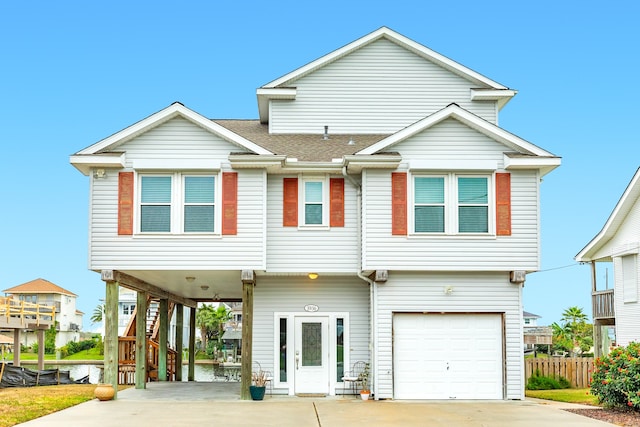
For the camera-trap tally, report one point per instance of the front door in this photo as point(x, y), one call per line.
point(311, 356)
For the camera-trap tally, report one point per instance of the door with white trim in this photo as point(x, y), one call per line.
point(311, 358)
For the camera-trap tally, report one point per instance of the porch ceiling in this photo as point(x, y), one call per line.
point(205, 286)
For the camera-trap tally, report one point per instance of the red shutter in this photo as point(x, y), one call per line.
point(336, 204)
point(290, 202)
point(503, 204)
point(125, 203)
point(399, 203)
point(229, 203)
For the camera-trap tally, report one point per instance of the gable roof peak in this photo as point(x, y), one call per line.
point(395, 37)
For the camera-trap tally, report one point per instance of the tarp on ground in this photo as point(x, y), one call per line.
point(17, 376)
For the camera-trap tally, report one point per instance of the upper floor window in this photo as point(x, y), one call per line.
point(451, 204)
point(314, 202)
point(177, 203)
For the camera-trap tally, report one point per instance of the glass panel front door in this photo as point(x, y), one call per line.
point(311, 354)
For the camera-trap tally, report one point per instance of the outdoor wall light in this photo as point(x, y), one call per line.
point(204, 287)
point(190, 279)
point(313, 276)
point(99, 174)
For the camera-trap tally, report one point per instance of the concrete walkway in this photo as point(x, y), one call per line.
point(187, 404)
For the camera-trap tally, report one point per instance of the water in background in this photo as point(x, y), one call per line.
point(202, 373)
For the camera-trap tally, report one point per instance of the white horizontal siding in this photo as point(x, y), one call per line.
point(491, 253)
point(451, 140)
point(380, 88)
point(140, 252)
point(627, 237)
point(627, 313)
point(300, 249)
point(290, 295)
point(178, 139)
point(472, 293)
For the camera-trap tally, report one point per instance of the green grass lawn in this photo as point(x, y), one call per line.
point(570, 395)
point(91, 354)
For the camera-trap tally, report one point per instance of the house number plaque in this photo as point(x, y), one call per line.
point(311, 308)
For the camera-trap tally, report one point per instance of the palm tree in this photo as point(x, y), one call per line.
point(96, 317)
point(211, 321)
point(574, 315)
point(575, 322)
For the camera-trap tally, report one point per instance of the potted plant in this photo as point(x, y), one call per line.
point(364, 376)
point(259, 385)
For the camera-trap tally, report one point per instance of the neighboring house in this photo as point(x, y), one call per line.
point(535, 334)
point(618, 242)
point(375, 211)
point(68, 318)
point(529, 319)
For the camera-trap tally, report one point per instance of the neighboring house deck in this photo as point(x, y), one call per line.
point(374, 212)
point(619, 243)
point(42, 292)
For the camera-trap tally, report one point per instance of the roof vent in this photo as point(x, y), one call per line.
point(326, 133)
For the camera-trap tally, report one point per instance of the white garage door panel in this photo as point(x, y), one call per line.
point(447, 356)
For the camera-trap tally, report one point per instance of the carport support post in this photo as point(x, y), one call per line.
point(163, 336)
point(192, 343)
point(248, 282)
point(179, 336)
point(111, 332)
point(141, 340)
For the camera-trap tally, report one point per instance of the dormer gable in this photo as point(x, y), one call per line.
point(519, 154)
point(104, 153)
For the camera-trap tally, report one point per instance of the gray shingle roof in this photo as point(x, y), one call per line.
point(304, 147)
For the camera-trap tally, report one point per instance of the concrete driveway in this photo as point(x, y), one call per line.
point(187, 404)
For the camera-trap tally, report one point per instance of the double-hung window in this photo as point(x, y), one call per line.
point(177, 203)
point(155, 204)
point(199, 204)
point(314, 206)
point(451, 204)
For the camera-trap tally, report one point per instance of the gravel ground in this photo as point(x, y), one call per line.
point(613, 416)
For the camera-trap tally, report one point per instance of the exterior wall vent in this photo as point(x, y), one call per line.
point(326, 133)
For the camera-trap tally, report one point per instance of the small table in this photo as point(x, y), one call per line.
point(231, 371)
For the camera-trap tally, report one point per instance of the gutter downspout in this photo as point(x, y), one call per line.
point(372, 284)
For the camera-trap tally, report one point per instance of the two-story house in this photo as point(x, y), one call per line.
point(375, 211)
point(619, 243)
point(43, 292)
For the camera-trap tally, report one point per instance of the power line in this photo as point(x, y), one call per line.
point(558, 268)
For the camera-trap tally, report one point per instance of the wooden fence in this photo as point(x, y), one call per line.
point(575, 369)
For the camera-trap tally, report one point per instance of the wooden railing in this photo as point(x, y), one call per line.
point(127, 361)
point(603, 304)
point(23, 313)
point(575, 369)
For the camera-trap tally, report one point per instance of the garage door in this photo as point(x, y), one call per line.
point(447, 356)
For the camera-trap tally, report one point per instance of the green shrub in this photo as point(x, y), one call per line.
point(616, 377)
point(540, 382)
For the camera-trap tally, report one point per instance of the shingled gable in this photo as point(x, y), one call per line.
point(528, 154)
point(103, 153)
point(280, 88)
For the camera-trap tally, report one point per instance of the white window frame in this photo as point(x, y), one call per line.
point(451, 218)
point(177, 203)
point(290, 317)
point(303, 179)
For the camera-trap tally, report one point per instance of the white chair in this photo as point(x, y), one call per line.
point(354, 377)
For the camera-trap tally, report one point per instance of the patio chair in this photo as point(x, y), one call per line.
point(354, 377)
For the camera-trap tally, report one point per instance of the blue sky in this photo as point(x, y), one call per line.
point(75, 72)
